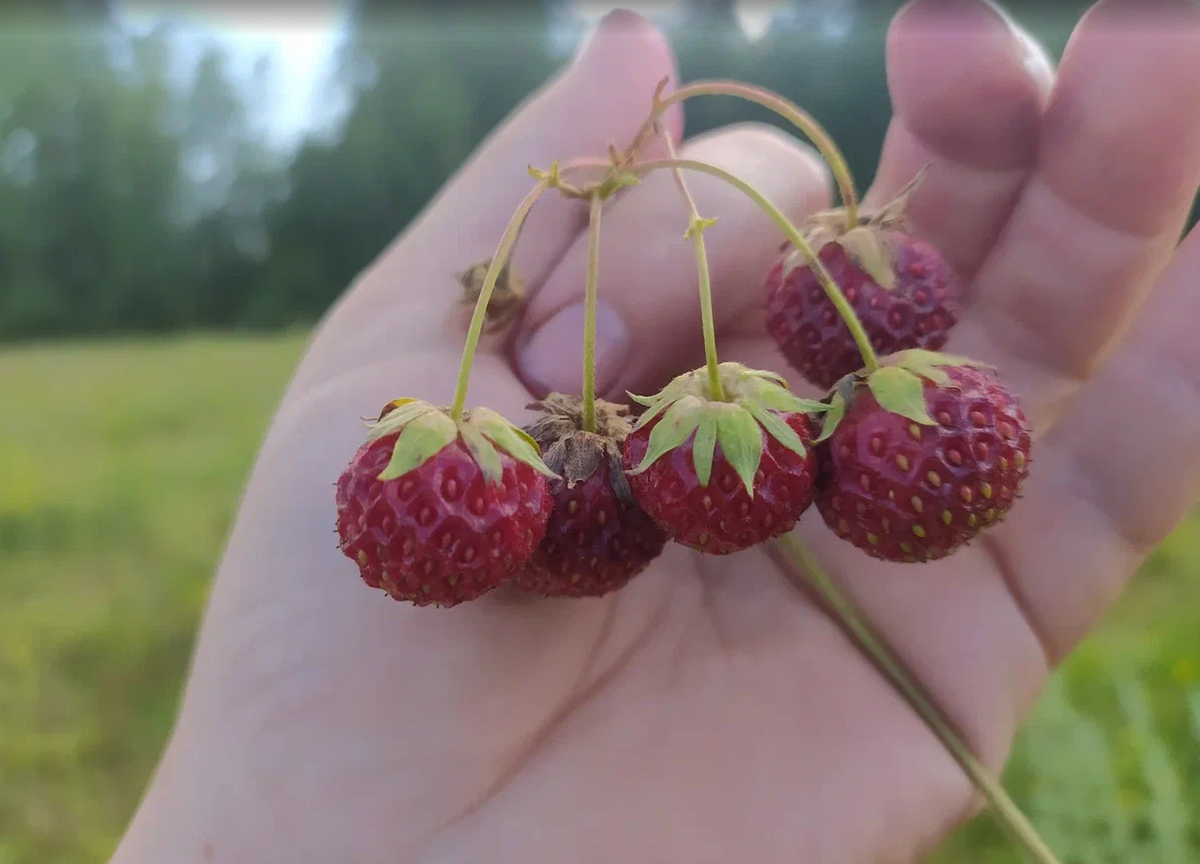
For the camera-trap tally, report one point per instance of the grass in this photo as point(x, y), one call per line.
point(121, 464)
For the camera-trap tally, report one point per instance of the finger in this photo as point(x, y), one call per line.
point(968, 89)
point(407, 298)
point(1118, 167)
point(648, 315)
point(1119, 472)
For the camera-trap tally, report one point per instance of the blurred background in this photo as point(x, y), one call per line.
point(185, 189)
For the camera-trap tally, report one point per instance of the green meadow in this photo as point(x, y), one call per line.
point(121, 464)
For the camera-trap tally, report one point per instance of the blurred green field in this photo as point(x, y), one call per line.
point(121, 464)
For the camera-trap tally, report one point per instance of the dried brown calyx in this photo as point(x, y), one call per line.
point(578, 453)
point(865, 242)
point(507, 294)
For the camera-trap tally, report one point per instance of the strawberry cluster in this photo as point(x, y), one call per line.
point(909, 456)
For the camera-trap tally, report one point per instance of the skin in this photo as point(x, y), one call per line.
point(711, 712)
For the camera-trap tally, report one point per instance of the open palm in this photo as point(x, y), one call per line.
point(710, 712)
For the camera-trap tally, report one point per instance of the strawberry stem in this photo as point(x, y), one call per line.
point(715, 391)
point(507, 241)
point(695, 230)
point(876, 647)
point(589, 314)
point(782, 106)
point(845, 310)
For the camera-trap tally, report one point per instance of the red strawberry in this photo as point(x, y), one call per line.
point(722, 475)
point(917, 485)
point(439, 512)
point(917, 312)
point(597, 538)
point(903, 291)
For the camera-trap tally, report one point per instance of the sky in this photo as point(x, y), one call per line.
point(301, 40)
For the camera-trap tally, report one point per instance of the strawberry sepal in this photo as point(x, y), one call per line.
point(866, 241)
point(754, 403)
point(573, 452)
point(897, 385)
point(422, 430)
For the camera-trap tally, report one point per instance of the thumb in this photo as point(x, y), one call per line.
point(407, 300)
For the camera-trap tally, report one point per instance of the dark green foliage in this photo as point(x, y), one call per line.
point(102, 229)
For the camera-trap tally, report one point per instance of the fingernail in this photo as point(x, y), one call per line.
point(617, 21)
point(552, 358)
point(1037, 59)
point(949, 17)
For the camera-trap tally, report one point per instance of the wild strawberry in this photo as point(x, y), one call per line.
point(903, 291)
point(751, 441)
point(435, 511)
point(921, 457)
point(597, 538)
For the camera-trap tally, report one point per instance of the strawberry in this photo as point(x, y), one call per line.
point(903, 291)
point(597, 538)
point(921, 457)
point(435, 511)
point(723, 474)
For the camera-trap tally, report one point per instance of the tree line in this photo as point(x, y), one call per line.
point(136, 197)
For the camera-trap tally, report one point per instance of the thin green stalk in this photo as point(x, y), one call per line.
point(785, 108)
point(704, 280)
point(507, 241)
point(715, 390)
point(1010, 815)
point(589, 314)
point(845, 310)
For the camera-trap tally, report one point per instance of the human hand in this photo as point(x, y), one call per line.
point(710, 711)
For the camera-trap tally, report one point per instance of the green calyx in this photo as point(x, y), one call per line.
point(424, 429)
point(698, 225)
point(615, 182)
point(898, 385)
point(863, 241)
point(737, 422)
point(616, 179)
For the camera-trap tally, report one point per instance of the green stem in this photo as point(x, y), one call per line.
point(845, 310)
point(1010, 816)
point(716, 391)
point(785, 108)
point(589, 314)
point(704, 280)
point(485, 293)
